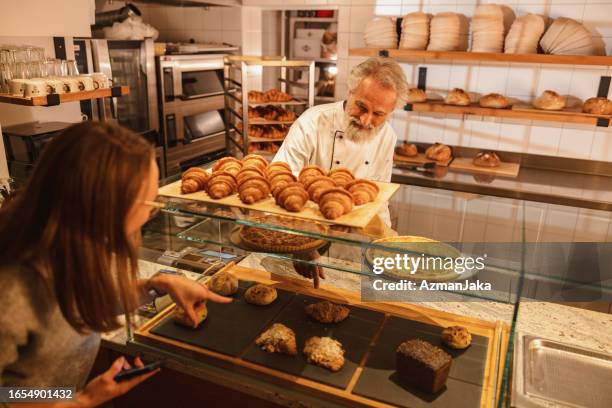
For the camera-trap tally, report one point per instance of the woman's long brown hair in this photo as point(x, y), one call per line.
point(68, 222)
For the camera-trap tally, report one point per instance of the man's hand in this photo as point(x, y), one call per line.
point(186, 293)
point(314, 272)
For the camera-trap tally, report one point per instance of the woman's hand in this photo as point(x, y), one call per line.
point(104, 387)
point(314, 272)
point(186, 293)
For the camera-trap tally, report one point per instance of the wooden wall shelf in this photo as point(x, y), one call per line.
point(55, 99)
point(475, 109)
point(412, 55)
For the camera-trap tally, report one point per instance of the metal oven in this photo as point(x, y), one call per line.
point(191, 109)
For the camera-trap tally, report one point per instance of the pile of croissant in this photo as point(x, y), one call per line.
point(269, 96)
point(272, 113)
point(254, 179)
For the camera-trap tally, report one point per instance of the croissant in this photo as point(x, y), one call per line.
point(229, 164)
point(270, 113)
point(275, 167)
point(253, 189)
point(309, 172)
point(286, 116)
point(335, 202)
point(274, 95)
point(363, 191)
point(278, 180)
point(257, 97)
point(342, 176)
point(193, 179)
point(221, 184)
point(316, 186)
point(292, 197)
point(255, 160)
point(247, 172)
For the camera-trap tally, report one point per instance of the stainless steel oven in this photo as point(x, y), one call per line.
point(191, 108)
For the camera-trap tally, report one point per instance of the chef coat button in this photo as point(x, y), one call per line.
point(340, 136)
point(337, 161)
point(367, 162)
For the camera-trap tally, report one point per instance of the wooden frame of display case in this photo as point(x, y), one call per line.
point(495, 332)
point(57, 99)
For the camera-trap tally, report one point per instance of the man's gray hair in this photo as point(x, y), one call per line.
point(385, 71)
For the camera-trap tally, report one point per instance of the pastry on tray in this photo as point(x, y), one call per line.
point(279, 179)
point(416, 95)
point(275, 167)
point(274, 95)
point(598, 106)
point(549, 100)
point(267, 240)
point(316, 186)
point(456, 337)
point(229, 164)
point(327, 312)
point(457, 97)
point(194, 179)
point(342, 176)
point(248, 172)
point(422, 365)
point(221, 184)
point(439, 152)
point(325, 352)
point(180, 317)
point(278, 339)
point(223, 283)
point(286, 116)
point(255, 160)
point(261, 295)
point(407, 149)
point(335, 202)
point(494, 100)
point(257, 97)
point(487, 159)
point(309, 172)
point(363, 191)
point(292, 197)
point(253, 188)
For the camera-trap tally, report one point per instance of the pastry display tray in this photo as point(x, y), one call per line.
point(369, 336)
point(359, 217)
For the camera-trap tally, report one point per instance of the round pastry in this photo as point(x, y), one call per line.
point(457, 97)
point(261, 295)
point(180, 317)
point(494, 100)
point(438, 152)
point(549, 100)
point(407, 149)
point(598, 106)
point(327, 312)
point(223, 283)
point(487, 159)
point(416, 95)
point(456, 337)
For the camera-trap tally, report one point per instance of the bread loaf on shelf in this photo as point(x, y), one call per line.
point(487, 159)
point(438, 152)
point(221, 184)
point(407, 149)
point(448, 32)
point(457, 97)
point(549, 100)
point(525, 34)
point(598, 106)
point(292, 197)
point(494, 100)
point(335, 202)
point(415, 31)
point(194, 179)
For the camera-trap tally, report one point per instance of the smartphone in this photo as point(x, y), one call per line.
point(135, 372)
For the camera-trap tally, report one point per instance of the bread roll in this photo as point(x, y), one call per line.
point(407, 149)
point(416, 95)
point(457, 97)
point(598, 106)
point(494, 100)
point(487, 159)
point(439, 152)
point(549, 100)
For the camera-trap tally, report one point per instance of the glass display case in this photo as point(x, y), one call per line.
point(480, 257)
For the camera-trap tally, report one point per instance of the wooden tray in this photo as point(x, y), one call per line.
point(420, 159)
point(359, 217)
point(473, 380)
point(566, 111)
point(504, 169)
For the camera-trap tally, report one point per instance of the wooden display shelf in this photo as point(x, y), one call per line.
point(291, 102)
point(264, 140)
point(270, 122)
point(532, 114)
point(55, 99)
point(412, 55)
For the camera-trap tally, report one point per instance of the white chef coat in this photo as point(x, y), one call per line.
point(317, 138)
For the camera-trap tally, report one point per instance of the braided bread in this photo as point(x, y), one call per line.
point(342, 176)
point(292, 197)
point(255, 160)
point(193, 179)
point(316, 185)
point(335, 202)
point(363, 191)
point(221, 184)
point(279, 179)
point(309, 172)
point(253, 188)
point(229, 164)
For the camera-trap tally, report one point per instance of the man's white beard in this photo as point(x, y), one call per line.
point(356, 133)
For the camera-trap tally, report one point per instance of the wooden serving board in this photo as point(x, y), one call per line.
point(566, 111)
point(504, 169)
point(358, 218)
point(420, 159)
point(371, 332)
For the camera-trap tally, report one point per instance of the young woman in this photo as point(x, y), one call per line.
point(69, 244)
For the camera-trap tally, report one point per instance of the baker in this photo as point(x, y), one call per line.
point(354, 134)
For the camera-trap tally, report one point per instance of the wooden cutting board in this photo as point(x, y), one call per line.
point(358, 218)
point(504, 169)
point(419, 159)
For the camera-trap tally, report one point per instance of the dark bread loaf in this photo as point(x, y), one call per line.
point(422, 365)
